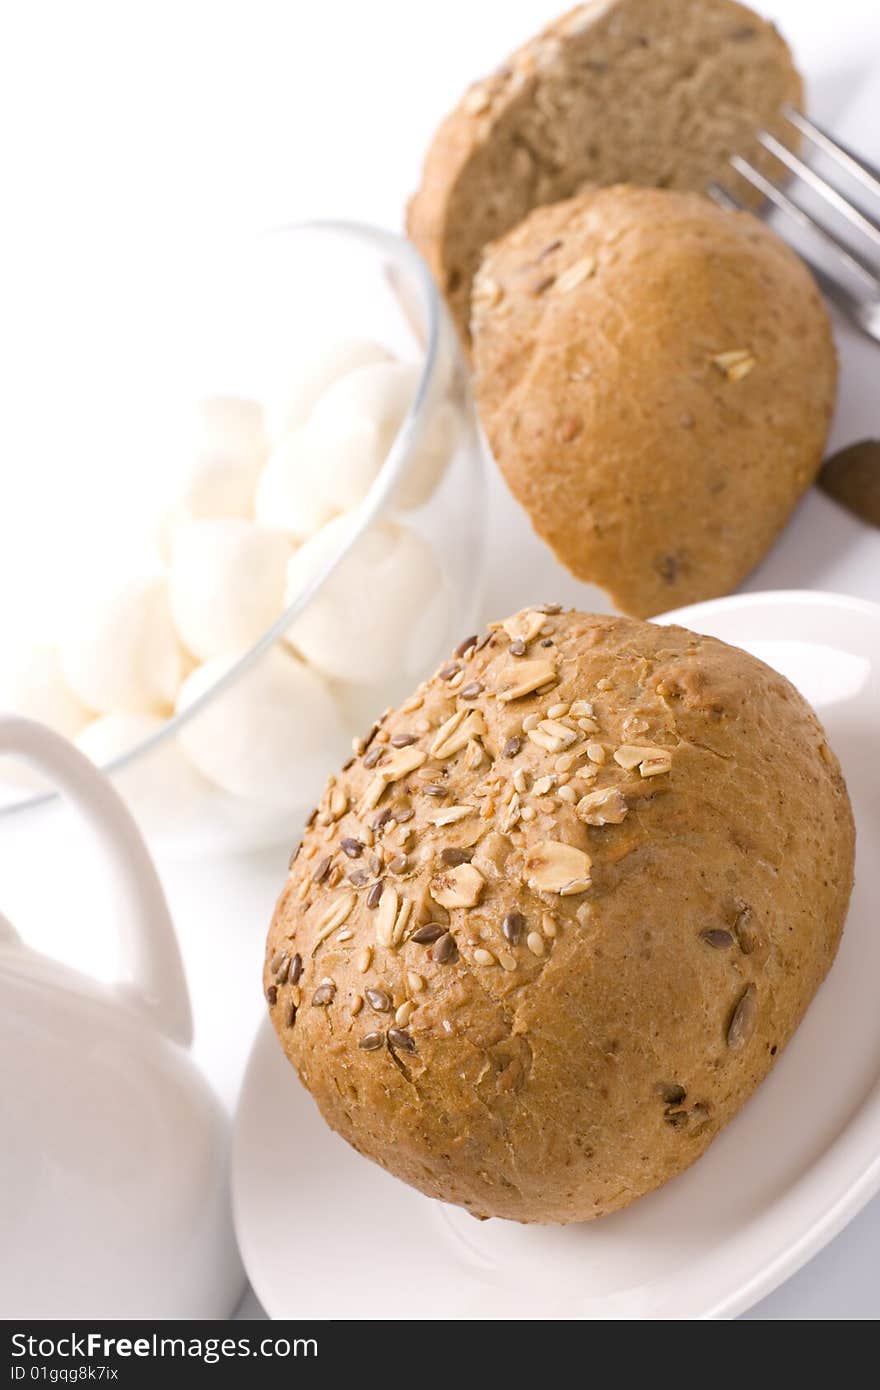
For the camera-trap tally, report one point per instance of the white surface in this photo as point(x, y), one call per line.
point(113, 1168)
point(797, 1162)
point(270, 111)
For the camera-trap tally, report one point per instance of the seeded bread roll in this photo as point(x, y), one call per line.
point(549, 928)
point(656, 377)
point(656, 92)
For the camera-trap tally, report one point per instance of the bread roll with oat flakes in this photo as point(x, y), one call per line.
point(656, 92)
point(548, 929)
point(656, 377)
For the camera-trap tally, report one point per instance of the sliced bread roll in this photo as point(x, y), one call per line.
point(656, 92)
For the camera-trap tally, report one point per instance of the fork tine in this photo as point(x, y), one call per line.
point(823, 141)
point(820, 186)
point(804, 221)
point(861, 314)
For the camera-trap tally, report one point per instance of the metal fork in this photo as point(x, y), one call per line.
point(859, 299)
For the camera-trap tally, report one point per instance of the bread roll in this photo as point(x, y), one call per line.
point(656, 378)
point(655, 92)
point(549, 929)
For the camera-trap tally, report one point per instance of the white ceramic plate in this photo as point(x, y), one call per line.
point(326, 1234)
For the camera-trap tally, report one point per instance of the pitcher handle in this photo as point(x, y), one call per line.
point(153, 979)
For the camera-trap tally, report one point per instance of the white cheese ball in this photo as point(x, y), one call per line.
point(216, 486)
point(313, 374)
point(231, 427)
point(354, 424)
point(161, 786)
point(271, 737)
point(226, 583)
point(122, 654)
point(381, 613)
point(291, 494)
point(33, 684)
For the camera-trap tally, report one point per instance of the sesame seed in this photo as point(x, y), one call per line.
point(535, 943)
point(401, 1040)
point(404, 1013)
point(507, 961)
point(415, 982)
point(357, 1004)
point(365, 959)
point(370, 1041)
point(379, 1000)
point(483, 957)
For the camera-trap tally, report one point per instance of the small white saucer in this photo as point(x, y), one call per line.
point(326, 1234)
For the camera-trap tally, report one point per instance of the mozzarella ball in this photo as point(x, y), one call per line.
point(33, 684)
point(381, 613)
point(291, 494)
point(312, 375)
point(354, 424)
point(271, 736)
point(123, 655)
point(216, 486)
point(160, 785)
point(231, 427)
point(226, 583)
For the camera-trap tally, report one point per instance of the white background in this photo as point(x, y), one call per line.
point(139, 137)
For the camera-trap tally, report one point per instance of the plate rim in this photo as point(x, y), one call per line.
point(796, 1250)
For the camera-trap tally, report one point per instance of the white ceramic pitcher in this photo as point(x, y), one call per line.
point(114, 1197)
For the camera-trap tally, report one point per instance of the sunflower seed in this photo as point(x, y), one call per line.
point(428, 934)
point(444, 949)
point(453, 857)
point(378, 1000)
point(743, 1018)
point(714, 936)
point(513, 927)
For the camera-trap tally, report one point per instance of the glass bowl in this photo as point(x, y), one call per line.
point(393, 585)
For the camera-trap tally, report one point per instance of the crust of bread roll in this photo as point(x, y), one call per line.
point(656, 92)
point(656, 377)
point(550, 928)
